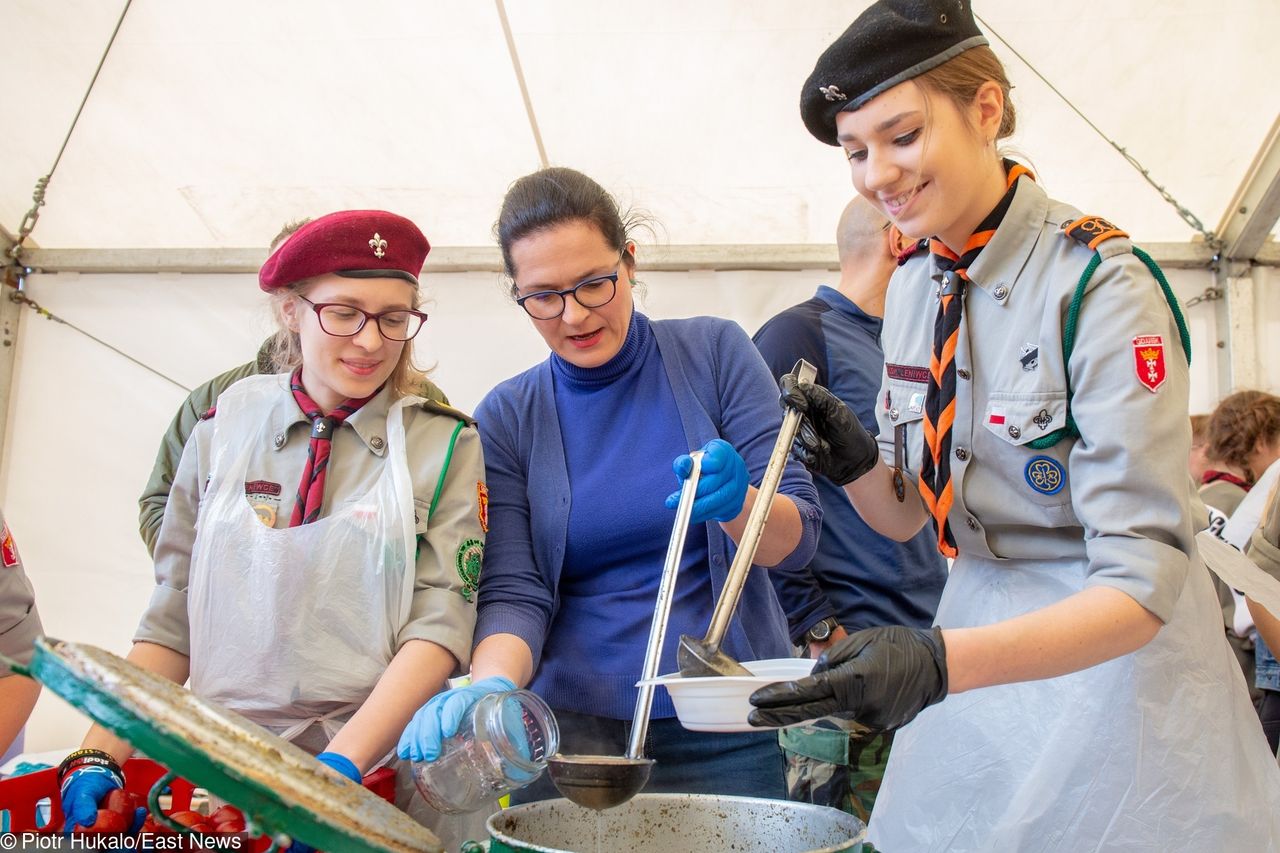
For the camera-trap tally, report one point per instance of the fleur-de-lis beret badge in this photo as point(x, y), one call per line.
point(833, 93)
point(378, 245)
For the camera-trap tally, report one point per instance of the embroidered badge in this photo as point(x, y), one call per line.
point(8, 549)
point(907, 373)
point(997, 416)
point(1148, 361)
point(833, 93)
point(266, 513)
point(1030, 357)
point(1045, 474)
point(916, 403)
point(1042, 419)
point(1091, 230)
point(482, 505)
point(469, 558)
point(378, 245)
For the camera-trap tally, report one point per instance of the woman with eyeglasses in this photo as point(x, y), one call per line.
point(579, 453)
point(317, 562)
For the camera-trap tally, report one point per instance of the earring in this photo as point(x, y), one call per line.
point(633, 282)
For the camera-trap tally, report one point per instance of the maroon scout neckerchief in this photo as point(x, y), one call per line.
point(311, 490)
point(940, 401)
point(1212, 476)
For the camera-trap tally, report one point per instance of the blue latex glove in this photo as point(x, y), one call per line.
point(722, 486)
point(342, 765)
point(439, 718)
point(82, 790)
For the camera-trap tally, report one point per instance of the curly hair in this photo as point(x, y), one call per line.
point(1241, 422)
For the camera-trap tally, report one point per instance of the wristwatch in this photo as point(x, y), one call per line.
point(821, 632)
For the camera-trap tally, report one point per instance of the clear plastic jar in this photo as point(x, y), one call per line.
point(503, 743)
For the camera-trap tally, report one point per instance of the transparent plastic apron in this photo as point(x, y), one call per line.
point(1156, 750)
point(293, 627)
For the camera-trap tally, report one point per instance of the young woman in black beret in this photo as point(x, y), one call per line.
point(1076, 691)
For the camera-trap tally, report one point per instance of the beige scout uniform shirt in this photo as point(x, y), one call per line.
point(19, 619)
point(450, 540)
point(1125, 507)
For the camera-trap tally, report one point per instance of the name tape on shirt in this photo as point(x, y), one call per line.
point(1148, 361)
point(907, 373)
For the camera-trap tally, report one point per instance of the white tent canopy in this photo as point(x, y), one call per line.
point(211, 125)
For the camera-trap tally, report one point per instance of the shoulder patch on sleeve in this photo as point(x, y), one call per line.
point(213, 410)
point(437, 408)
point(1092, 231)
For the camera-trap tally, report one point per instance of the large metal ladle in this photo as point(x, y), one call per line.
point(604, 781)
point(701, 657)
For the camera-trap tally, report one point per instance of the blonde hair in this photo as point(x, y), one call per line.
point(959, 79)
point(285, 345)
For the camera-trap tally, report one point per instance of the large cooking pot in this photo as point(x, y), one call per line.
point(676, 823)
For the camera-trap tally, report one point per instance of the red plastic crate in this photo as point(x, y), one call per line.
point(21, 795)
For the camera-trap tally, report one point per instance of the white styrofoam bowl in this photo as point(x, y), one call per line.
point(721, 703)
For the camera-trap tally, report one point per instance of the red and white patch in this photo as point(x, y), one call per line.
point(482, 505)
point(996, 416)
point(1148, 361)
point(8, 550)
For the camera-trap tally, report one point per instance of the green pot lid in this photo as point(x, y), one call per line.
point(280, 788)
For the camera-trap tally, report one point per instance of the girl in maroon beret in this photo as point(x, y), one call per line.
point(317, 562)
point(1076, 691)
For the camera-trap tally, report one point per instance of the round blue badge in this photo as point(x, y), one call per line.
point(1045, 474)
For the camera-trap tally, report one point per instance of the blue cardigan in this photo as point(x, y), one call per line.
point(722, 389)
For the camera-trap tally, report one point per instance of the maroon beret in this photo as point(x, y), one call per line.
point(352, 243)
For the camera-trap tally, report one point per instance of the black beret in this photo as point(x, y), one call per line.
point(890, 43)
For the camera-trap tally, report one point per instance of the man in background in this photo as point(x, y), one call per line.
point(863, 579)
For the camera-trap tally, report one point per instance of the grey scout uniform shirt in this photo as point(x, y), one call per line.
point(443, 604)
point(1124, 507)
point(19, 619)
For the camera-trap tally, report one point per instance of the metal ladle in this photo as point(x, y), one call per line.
point(604, 781)
point(704, 657)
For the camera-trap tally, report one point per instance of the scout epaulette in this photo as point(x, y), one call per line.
point(438, 408)
point(1091, 230)
point(213, 410)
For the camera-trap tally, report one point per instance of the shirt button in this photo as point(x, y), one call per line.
point(971, 523)
point(962, 373)
point(1014, 432)
point(893, 414)
point(962, 454)
point(376, 443)
point(279, 440)
point(1000, 292)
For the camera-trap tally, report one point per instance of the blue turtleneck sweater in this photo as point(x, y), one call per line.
point(621, 430)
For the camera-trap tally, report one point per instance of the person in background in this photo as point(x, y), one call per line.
point(1242, 439)
point(1264, 550)
point(1076, 678)
point(863, 579)
point(578, 452)
point(19, 628)
point(156, 493)
point(328, 588)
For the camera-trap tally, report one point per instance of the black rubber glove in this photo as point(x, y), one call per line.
point(879, 677)
point(831, 440)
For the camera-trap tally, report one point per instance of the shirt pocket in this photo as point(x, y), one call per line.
point(1020, 427)
point(904, 409)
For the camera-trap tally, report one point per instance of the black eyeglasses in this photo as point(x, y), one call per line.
point(346, 321)
point(592, 293)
